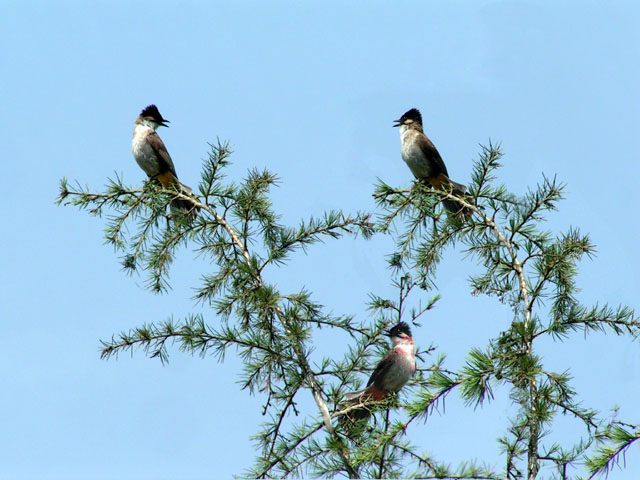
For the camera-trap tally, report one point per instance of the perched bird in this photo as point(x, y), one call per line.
point(152, 156)
point(391, 374)
point(426, 164)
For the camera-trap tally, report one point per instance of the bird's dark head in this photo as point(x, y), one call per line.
point(400, 330)
point(151, 113)
point(412, 116)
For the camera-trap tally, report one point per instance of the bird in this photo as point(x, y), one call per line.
point(424, 161)
point(152, 157)
point(390, 375)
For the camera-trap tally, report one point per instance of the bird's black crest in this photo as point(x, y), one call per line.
point(152, 111)
point(400, 327)
point(413, 114)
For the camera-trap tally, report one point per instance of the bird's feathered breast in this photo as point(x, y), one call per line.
point(150, 152)
point(395, 369)
point(421, 155)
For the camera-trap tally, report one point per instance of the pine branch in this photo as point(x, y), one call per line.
point(239, 235)
point(606, 457)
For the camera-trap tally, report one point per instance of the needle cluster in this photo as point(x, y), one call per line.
point(240, 240)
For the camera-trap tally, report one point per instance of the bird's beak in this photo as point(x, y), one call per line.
point(398, 123)
point(164, 123)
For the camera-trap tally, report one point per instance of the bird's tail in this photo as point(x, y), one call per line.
point(354, 407)
point(455, 207)
point(183, 206)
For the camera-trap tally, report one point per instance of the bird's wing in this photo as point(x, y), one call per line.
point(163, 155)
point(383, 367)
point(431, 153)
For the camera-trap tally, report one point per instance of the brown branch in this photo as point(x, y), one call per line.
point(533, 464)
point(306, 369)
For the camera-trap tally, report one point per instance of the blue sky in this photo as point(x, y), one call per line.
point(309, 91)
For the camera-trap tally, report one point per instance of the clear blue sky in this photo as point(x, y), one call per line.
point(310, 92)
